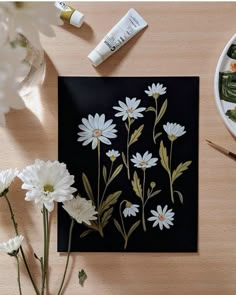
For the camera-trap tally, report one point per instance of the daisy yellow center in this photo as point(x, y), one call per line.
point(130, 111)
point(128, 205)
point(156, 95)
point(97, 133)
point(161, 217)
point(48, 188)
point(172, 137)
point(143, 163)
point(113, 158)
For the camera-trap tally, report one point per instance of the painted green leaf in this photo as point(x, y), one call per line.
point(150, 109)
point(162, 112)
point(137, 185)
point(231, 114)
point(87, 187)
point(124, 159)
point(86, 232)
point(155, 193)
point(106, 216)
point(133, 228)
point(181, 198)
point(179, 170)
point(116, 173)
point(104, 173)
point(110, 200)
point(157, 135)
point(135, 136)
point(164, 157)
point(117, 225)
point(82, 277)
point(232, 51)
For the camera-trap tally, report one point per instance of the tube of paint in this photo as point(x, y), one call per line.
point(69, 14)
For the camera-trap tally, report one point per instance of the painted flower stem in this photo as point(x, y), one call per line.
point(18, 274)
point(68, 255)
point(107, 183)
point(143, 203)
point(154, 125)
point(21, 249)
point(99, 166)
point(127, 150)
point(123, 225)
point(46, 248)
point(170, 174)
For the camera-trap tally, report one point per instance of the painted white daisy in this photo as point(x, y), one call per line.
point(80, 209)
point(163, 218)
point(174, 130)
point(6, 178)
point(130, 209)
point(47, 182)
point(130, 109)
point(155, 90)
point(96, 129)
point(112, 154)
point(30, 19)
point(145, 161)
point(11, 246)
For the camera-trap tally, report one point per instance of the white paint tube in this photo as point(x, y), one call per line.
point(123, 31)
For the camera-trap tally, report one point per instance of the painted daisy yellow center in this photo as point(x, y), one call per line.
point(143, 163)
point(161, 217)
point(97, 133)
point(128, 205)
point(48, 188)
point(130, 111)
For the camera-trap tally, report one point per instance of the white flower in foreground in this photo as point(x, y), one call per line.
point(130, 109)
point(163, 218)
point(112, 154)
point(155, 90)
point(96, 129)
point(131, 209)
point(31, 18)
point(47, 182)
point(145, 161)
point(6, 178)
point(11, 246)
point(80, 209)
point(174, 130)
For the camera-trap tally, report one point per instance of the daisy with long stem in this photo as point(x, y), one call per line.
point(130, 111)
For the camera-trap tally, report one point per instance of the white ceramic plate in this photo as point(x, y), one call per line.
point(226, 65)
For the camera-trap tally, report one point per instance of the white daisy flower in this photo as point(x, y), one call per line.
point(129, 109)
point(145, 161)
point(96, 129)
point(80, 209)
point(31, 18)
point(174, 130)
point(163, 218)
point(47, 182)
point(131, 209)
point(112, 154)
point(155, 90)
point(6, 178)
point(11, 246)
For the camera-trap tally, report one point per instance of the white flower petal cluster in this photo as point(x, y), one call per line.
point(6, 178)
point(145, 161)
point(112, 154)
point(95, 129)
point(155, 90)
point(31, 18)
point(47, 182)
point(11, 245)
point(130, 109)
point(163, 218)
point(80, 209)
point(174, 130)
point(131, 209)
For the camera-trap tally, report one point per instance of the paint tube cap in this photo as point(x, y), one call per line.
point(77, 19)
point(95, 58)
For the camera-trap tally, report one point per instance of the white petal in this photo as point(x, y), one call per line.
point(94, 143)
point(104, 140)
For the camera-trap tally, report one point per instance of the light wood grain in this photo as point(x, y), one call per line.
point(182, 39)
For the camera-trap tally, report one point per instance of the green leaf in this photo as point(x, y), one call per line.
point(124, 159)
point(82, 277)
point(164, 157)
point(110, 200)
point(117, 225)
point(231, 114)
point(106, 216)
point(150, 109)
point(87, 187)
point(232, 51)
point(86, 232)
point(133, 228)
point(179, 170)
point(137, 185)
point(104, 173)
point(181, 198)
point(155, 193)
point(116, 173)
point(162, 112)
point(135, 136)
point(157, 135)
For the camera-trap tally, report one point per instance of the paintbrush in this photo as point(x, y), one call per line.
point(222, 150)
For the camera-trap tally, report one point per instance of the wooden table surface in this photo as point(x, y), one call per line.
point(182, 39)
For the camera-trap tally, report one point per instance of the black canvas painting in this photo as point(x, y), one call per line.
point(132, 145)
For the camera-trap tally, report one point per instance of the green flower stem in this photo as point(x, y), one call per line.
point(68, 256)
point(18, 274)
point(123, 226)
point(127, 150)
point(21, 248)
point(170, 174)
point(154, 126)
point(46, 248)
point(99, 164)
point(107, 184)
point(143, 203)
